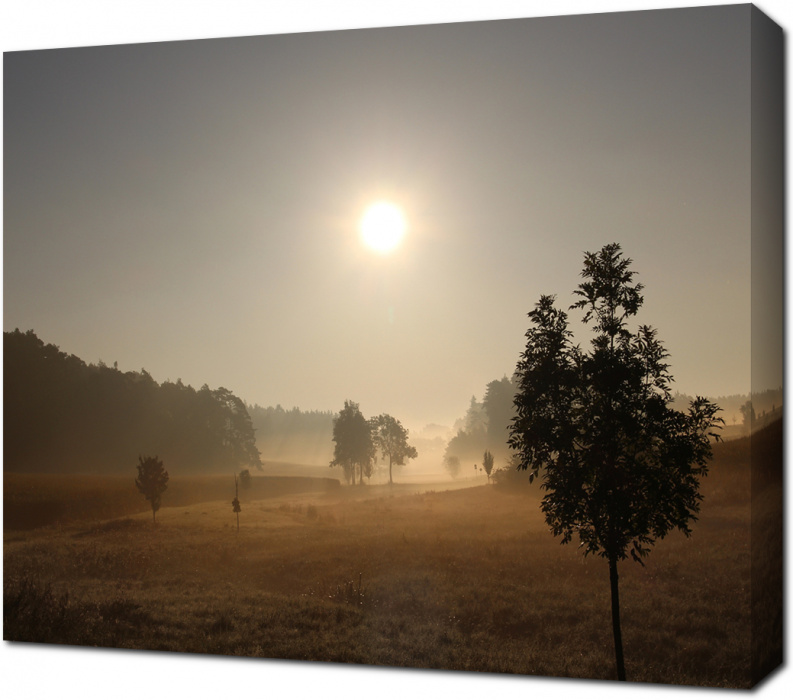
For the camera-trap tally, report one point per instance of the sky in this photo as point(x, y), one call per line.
point(191, 208)
point(47, 23)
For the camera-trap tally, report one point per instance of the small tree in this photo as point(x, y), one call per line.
point(152, 480)
point(245, 479)
point(487, 463)
point(392, 440)
point(452, 464)
point(235, 504)
point(749, 416)
point(621, 468)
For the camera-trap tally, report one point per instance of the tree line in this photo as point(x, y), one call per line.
point(292, 435)
point(61, 414)
point(485, 427)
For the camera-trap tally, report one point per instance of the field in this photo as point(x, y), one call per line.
point(36, 500)
point(468, 579)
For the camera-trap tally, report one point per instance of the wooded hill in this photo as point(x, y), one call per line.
point(292, 435)
point(485, 425)
point(62, 415)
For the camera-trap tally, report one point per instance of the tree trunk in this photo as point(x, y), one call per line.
point(615, 618)
point(238, 522)
point(390, 480)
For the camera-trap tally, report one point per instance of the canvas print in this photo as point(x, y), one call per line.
point(451, 346)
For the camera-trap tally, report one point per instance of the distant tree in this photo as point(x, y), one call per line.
point(620, 467)
point(245, 479)
point(367, 469)
point(486, 424)
point(391, 439)
point(749, 416)
point(152, 480)
point(452, 464)
point(235, 441)
point(510, 476)
point(293, 435)
point(475, 417)
point(235, 504)
point(498, 406)
point(354, 448)
point(487, 463)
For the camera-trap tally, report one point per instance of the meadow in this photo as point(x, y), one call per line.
point(467, 579)
point(36, 500)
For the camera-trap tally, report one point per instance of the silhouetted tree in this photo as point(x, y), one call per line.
point(487, 463)
point(392, 440)
point(620, 467)
point(466, 444)
point(749, 416)
point(228, 419)
point(452, 464)
point(245, 479)
point(486, 424)
point(354, 446)
point(152, 480)
point(367, 469)
point(235, 504)
point(497, 404)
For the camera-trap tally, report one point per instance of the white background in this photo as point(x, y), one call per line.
point(29, 671)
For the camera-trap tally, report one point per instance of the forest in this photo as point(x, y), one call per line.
point(65, 416)
point(292, 435)
point(485, 425)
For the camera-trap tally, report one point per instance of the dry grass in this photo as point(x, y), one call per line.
point(467, 579)
point(37, 500)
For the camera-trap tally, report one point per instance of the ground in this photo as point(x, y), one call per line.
point(466, 579)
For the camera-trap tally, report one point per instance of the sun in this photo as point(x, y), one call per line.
point(382, 227)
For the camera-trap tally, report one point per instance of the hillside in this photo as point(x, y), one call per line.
point(64, 416)
point(38, 500)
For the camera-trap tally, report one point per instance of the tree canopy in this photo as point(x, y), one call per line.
point(354, 449)
point(497, 403)
point(487, 463)
point(619, 466)
point(452, 465)
point(152, 480)
point(391, 439)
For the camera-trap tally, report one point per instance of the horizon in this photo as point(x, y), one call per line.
point(415, 429)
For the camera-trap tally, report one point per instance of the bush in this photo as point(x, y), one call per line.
point(510, 477)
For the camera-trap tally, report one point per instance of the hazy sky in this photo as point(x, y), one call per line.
point(192, 207)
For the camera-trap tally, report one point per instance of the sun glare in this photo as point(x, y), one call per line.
point(382, 227)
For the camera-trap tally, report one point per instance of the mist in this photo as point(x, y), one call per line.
point(322, 347)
